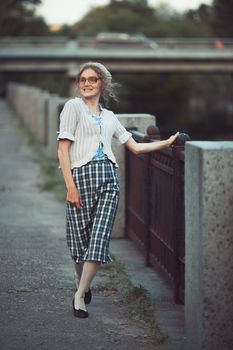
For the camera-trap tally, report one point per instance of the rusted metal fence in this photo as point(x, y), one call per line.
point(155, 207)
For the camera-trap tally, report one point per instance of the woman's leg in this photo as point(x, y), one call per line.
point(88, 273)
point(78, 272)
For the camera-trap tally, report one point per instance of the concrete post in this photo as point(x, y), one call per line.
point(53, 115)
point(32, 104)
point(209, 245)
point(42, 114)
point(141, 121)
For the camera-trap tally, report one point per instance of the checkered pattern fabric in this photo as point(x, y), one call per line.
point(88, 229)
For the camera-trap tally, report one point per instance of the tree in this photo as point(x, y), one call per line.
point(222, 22)
point(134, 16)
point(201, 18)
point(17, 18)
point(122, 16)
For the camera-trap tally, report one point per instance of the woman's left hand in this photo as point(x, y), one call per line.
point(137, 147)
point(172, 138)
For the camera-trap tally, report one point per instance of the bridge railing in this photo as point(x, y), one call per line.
point(64, 41)
point(155, 207)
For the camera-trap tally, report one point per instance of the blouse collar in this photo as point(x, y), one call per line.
point(87, 108)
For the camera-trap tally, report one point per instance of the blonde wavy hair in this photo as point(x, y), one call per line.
point(108, 86)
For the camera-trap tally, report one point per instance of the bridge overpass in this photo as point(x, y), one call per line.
point(69, 58)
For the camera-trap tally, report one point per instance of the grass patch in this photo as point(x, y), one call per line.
point(135, 297)
point(53, 180)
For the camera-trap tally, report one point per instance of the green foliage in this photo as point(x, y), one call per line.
point(222, 21)
point(53, 180)
point(163, 95)
point(135, 297)
point(17, 18)
point(117, 16)
point(138, 17)
point(199, 104)
point(215, 20)
point(55, 83)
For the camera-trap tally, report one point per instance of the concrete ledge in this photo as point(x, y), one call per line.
point(209, 245)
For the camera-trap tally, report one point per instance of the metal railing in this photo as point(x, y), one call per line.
point(155, 207)
point(163, 43)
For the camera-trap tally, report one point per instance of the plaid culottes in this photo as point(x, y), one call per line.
point(88, 229)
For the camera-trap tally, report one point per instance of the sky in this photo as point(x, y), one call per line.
point(71, 11)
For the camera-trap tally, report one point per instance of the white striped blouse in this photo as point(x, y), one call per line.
point(77, 125)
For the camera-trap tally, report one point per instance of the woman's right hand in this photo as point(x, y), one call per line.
point(74, 197)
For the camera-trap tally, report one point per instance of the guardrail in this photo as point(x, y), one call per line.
point(155, 207)
point(62, 41)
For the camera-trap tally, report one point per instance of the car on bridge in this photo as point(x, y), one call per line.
point(124, 40)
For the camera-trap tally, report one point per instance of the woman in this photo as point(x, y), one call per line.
point(89, 169)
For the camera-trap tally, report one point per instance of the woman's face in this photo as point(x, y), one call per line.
point(90, 84)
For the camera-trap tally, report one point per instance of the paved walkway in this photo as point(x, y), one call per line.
point(37, 279)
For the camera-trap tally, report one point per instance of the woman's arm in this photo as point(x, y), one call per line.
point(73, 195)
point(138, 148)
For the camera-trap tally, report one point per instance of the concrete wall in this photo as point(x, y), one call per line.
point(40, 112)
point(209, 245)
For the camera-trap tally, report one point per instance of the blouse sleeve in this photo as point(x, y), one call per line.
point(121, 133)
point(68, 122)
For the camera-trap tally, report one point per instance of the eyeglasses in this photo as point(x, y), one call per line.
point(91, 80)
